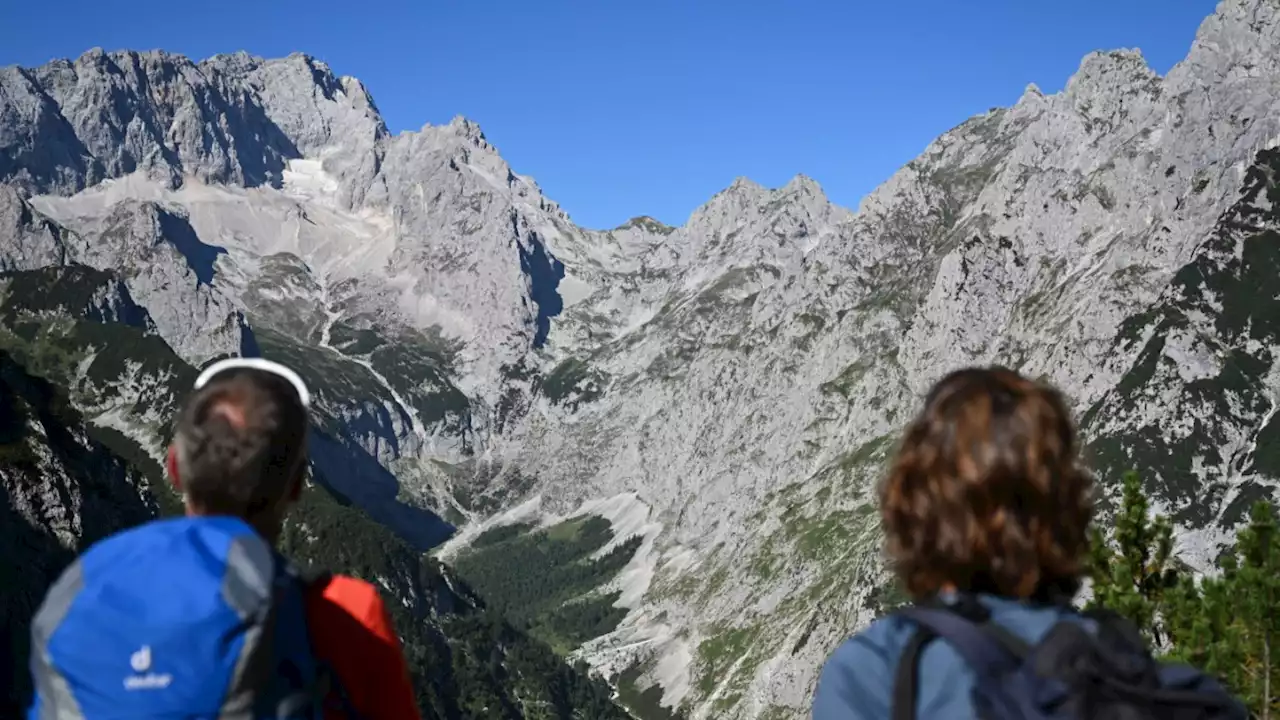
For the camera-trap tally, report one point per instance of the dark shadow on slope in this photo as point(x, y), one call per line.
point(545, 273)
point(32, 561)
point(248, 340)
point(263, 148)
point(643, 703)
point(201, 257)
point(50, 156)
point(73, 290)
point(357, 476)
point(34, 491)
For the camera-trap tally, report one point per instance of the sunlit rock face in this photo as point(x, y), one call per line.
point(728, 389)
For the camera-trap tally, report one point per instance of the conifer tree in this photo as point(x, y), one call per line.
point(1227, 624)
point(1132, 577)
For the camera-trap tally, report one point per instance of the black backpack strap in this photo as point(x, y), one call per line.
point(966, 610)
point(328, 683)
point(981, 648)
point(1116, 632)
point(907, 674)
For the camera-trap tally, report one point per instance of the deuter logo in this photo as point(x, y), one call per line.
point(140, 661)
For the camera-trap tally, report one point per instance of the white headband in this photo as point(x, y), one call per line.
point(257, 364)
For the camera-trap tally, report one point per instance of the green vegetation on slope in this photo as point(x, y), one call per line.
point(415, 366)
point(466, 660)
point(546, 580)
point(645, 704)
point(1224, 624)
point(573, 383)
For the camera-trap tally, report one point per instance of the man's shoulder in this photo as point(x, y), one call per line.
point(352, 597)
point(347, 590)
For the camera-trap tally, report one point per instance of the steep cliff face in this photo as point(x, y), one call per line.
point(726, 390)
point(60, 490)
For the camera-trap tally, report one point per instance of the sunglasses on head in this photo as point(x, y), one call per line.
point(275, 368)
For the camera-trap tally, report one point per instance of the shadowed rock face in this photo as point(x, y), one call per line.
point(60, 491)
point(729, 389)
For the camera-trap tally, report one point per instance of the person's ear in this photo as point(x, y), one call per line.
point(171, 465)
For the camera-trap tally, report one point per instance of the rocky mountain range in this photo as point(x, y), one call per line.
point(726, 390)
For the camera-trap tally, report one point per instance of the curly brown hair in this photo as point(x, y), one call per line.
point(986, 493)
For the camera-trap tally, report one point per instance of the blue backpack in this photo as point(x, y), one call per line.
point(1074, 672)
point(189, 617)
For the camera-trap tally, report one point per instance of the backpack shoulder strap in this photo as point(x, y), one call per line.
point(906, 676)
point(984, 649)
point(328, 681)
point(1115, 631)
point(968, 611)
point(316, 580)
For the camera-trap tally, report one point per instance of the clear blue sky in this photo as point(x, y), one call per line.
point(648, 107)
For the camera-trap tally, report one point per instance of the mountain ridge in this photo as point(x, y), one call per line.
point(727, 389)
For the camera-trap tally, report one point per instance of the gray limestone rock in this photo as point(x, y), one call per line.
point(729, 389)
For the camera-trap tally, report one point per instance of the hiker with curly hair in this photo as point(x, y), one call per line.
point(986, 510)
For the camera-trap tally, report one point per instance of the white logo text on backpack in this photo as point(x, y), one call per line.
point(140, 661)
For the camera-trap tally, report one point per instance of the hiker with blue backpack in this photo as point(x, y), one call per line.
point(986, 510)
point(200, 616)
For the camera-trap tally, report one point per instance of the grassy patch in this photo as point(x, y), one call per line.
point(644, 704)
point(355, 341)
point(500, 534)
point(544, 580)
point(572, 383)
point(844, 383)
point(817, 538)
point(419, 370)
point(720, 651)
point(330, 376)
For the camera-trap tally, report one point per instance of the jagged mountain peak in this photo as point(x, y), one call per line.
point(232, 119)
point(745, 191)
point(804, 185)
point(1030, 94)
point(730, 387)
point(467, 128)
point(1235, 42)
point(1104, 76)
point(744, 184)
point(646, 223)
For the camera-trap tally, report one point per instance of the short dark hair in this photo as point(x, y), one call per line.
point(986, 492)
point(241, 442)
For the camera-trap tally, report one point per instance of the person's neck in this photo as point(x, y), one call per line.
point(268, 528)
